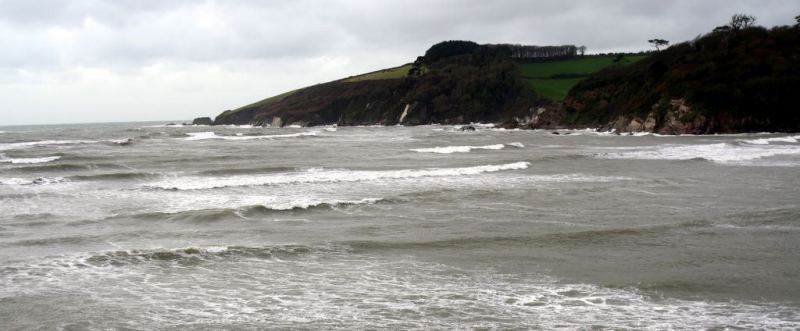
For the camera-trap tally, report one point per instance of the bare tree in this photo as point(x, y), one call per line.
point(742, 21)
point(797, 18)
point(658, 43)
point(582, 49)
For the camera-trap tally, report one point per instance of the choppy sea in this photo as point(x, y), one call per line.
point(146, 226)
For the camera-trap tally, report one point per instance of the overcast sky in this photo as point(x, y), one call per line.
point(137, 60)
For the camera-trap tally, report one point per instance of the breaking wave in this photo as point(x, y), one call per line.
point(456, 149)
point(193, 256)
point(269, 285)
point(122, 142)
point(272, 208)
point(212, 135)
point(767, 141)
point(5, 159)
point(719, 152)
point(29, 144)
point(36, 181)
point(326, 176)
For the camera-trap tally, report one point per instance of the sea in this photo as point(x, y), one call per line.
point(143, 226)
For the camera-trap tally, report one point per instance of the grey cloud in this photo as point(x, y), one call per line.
point(135, 32)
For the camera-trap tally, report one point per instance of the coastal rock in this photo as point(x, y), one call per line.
point(650, 123)
point(467, 128)
point(510, 124)
point(203, 121)
point(635, 125)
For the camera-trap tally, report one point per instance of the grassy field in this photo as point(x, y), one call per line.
point(391, 73)
point(543, 76)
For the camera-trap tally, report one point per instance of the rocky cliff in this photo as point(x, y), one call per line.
point(726, 81)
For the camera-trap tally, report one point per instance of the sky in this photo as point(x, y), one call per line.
point(81, 61)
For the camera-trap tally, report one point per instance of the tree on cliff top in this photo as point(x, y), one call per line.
point(450, 48)
point(658, 43)
point(742, 21)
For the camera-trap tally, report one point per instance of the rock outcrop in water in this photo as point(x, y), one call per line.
point(203, 121)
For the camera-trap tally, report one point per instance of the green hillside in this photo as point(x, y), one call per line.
point(391, 73)
point(554, 79)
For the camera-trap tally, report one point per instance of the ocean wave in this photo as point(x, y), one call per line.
point(122, 142)
point(767, 141)
point(323, 176)
point(45, 159)
point(239, 171)
point(212, 135)
point(719, 152)
point(29, 144)
point(193, 256)
point(114, 176)
point(66, 167)
point(267, 208)
point(36, 181)
point(355, 291)
point(456, 149)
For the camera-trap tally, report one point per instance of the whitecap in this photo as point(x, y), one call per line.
point(37, 181)
point(212, 135)
point(719, 152)
point(5, 159)
point(456, 149)
point(123, 141)
point(767, 141)
point(29, 144)
point(516, 144)
point(327, 176)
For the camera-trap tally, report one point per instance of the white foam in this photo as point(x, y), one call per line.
point(356, 291)
point(37, 181)
point(212, 135)
point(326, 176)
point(330, 129)
point(5, 159)
point(307, 202)
point(516, 144)
point(767, 141)
point(456, 149)
point(719, 152)
point(294, 126)
point(123, 141)
point(29, 144)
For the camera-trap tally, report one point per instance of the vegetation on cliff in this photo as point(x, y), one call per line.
point(455, 82)
point(737, 78)
point(553, 79)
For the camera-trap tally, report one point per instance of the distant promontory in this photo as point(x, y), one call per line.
point(737, 78)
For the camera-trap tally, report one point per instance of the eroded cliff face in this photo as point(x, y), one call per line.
point(722, 82)
point(681, 118)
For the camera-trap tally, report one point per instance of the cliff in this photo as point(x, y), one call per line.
point(456, 82)
point(726, 81)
